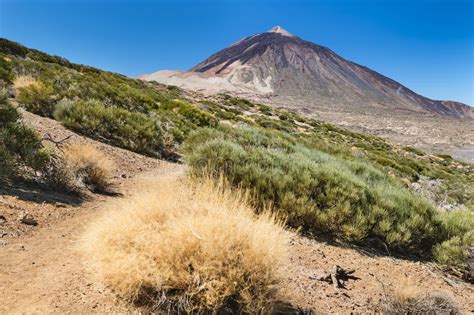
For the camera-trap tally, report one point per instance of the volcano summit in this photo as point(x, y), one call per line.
point(278, 63)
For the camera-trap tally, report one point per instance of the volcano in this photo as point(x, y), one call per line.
point(280, 64)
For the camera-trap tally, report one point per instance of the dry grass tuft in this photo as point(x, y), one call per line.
point(85, 166)
point(409, 300)
point(23, 81)
point(188, 247)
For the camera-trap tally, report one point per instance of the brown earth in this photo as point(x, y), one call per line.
point(43, 271)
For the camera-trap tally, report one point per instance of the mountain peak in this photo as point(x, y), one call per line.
point(286, 66)
point(278, 29)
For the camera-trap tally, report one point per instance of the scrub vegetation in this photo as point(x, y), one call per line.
point(21, 152)
point(314, 190)
point(83, 166)
point(321, 178)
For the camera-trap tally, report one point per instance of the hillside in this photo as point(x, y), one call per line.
point(155, 119)
point(356, 191)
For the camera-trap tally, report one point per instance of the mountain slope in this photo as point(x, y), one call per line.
point(279, 63)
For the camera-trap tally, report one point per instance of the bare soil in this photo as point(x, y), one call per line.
point(378, 276)
point(42, 269)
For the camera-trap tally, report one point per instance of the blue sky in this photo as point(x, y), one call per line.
point(427, 45)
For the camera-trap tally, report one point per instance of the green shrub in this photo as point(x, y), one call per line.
point(190, 113)
point(122, 97)
point(414, 150)
point(225, 115)
point(269, 123)
point(38, 98)
point(6, 73)
point(14, 49)
point(130, 130)
point(11, 48)
point(387, 162)
point(313, 190)
point(20, 149)
point(459, 229)
point(241, 103)
point(266, 110)
point(285, 116)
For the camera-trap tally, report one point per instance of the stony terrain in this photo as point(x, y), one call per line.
point(44, 271)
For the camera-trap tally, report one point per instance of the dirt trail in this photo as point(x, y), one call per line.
point(42, 270)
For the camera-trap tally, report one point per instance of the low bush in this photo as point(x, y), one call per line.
point(130, 130)
point(189, 248)
point(409, 301)
point(37, 97)
point(192, 114)
point(83, 166)
point(313, 190)
point(240, 103)
point(21, 152)
point(413, 150)
point(459, 229)
point(6, 73)
point(276, 124)
point(139, 111)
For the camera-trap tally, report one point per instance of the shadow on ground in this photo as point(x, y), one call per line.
point(371, 247)
point(34, 192)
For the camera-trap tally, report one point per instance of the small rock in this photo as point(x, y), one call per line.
point(28, 219)
point(123, 175)
point(3, 220)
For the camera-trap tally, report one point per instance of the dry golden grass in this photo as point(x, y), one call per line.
point(23, 81)
point(85, 165)
point(188, 247)
point(410, 300)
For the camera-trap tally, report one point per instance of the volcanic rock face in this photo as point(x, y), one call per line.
point(278, 63)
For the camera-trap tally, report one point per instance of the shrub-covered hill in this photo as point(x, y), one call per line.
point(323, 178)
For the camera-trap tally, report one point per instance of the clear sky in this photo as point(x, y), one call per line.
point(427, 45)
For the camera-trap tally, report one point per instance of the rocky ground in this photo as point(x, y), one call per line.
point(43, 270)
